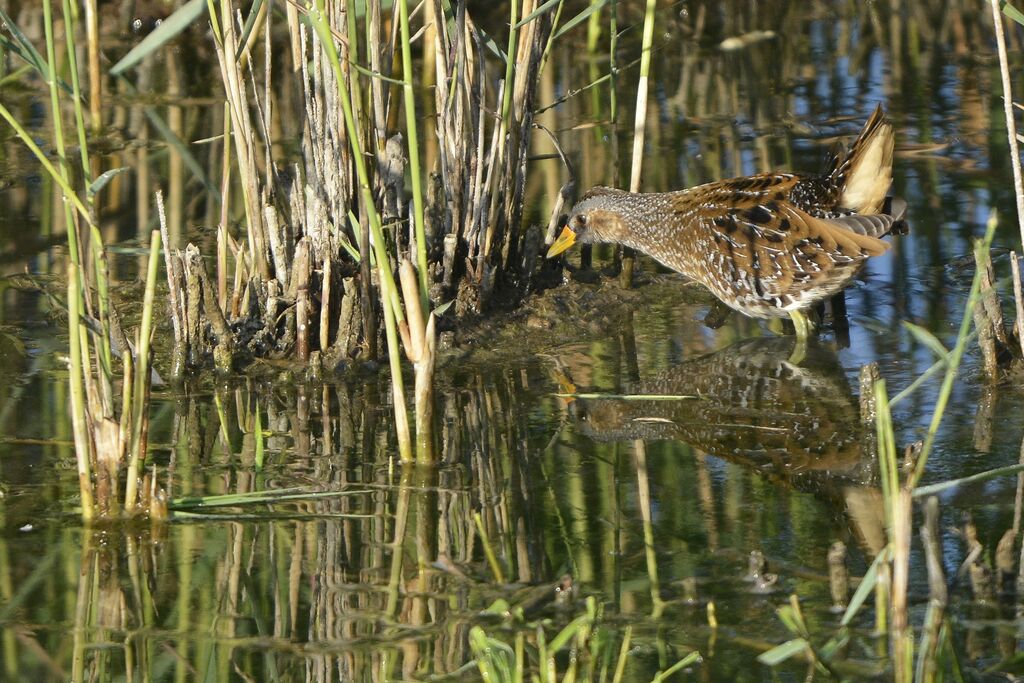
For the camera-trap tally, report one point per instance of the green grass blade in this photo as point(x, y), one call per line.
point(867, 584)
point(1012, 12)
point(580, 18)
point(167, 30)
point(494, 658)
point(632, 397)
point(247, 29)
point(928, 339)
point(543, 9)
point(375, 74)
point(23, 47)
point(55, 175)
point(834, 645)
point(491, 45)
point(15, 75)
point(780, 653)
point(137, 449)
point(222, 420)
point(492, 559)
point(27, 585)
point(953, 365)
point(258, 433)
point(257, 497)
point(686, 661)
point(568, 633)
point(980, 476)
point(412, 140)
point(97, 185)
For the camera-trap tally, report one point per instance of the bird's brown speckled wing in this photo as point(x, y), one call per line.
point(762, 246)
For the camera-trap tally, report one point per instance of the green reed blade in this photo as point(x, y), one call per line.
point(374, 74)
point(631, 397)
point(55, 109)
point(181, 148)
point(888, 468)
point(258, 435)
point(99, 271)
point(258, 497)
point(76, 379)
point(781, 653)
point(581, 17)
point(252, 22)
point(137, 458)
point(99, 183)
point(867, 584)
point(1011, 12)
point(77, 99)
point(924, 376)
point(168, 29)
point(485, 541)
point(494, 658)
point(27, 585)
point(928, 339)
point(412, 138)
point(24, 48)
point(953, 365)
point(686, 661)
point(15, 75)
point(938, 487)
point(543, 9)
point(620, 664)
point(513, 43)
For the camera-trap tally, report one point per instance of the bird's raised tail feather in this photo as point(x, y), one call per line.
point(864, 174)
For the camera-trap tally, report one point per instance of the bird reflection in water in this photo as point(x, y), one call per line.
point(798, 425)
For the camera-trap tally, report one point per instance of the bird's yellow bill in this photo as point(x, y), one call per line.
point(564, 241)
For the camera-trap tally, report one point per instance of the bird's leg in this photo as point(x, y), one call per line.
point(803, 330)
point(802, 324)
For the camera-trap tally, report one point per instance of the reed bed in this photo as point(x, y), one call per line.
point(332, 247)
point(110, 427)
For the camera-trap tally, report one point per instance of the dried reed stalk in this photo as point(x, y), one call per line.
point(902, 635)
point(1018, 300)
point(482, 161)
point(320, 262)
point(1011, 126)
point(927, 658)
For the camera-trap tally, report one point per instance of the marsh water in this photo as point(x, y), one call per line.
point(651, 507)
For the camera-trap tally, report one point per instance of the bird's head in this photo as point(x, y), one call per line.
point(598, 217)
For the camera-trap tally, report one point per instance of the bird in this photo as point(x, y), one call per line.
point(768, 245)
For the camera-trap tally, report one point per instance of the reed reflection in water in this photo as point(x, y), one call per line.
point(799, 426)
point(379, 571)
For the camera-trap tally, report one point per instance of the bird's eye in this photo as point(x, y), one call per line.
point(579, 221)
